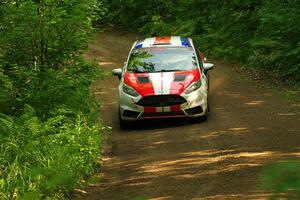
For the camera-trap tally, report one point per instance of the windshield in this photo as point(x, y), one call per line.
point(162, 59)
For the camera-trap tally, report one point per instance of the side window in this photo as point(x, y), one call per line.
point(200, 58)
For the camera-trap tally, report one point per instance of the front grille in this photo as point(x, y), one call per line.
point(163, 114)
point(161, 100)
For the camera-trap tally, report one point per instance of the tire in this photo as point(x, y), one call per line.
point(205, 116)
point(124, 125)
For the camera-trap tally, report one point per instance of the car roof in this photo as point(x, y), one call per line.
point(169, 41)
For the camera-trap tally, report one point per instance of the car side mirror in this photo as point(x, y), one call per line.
point(117, 72)
point(208, 66)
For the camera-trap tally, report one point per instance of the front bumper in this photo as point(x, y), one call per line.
point(195, 106)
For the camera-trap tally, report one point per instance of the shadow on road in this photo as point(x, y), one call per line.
point(152, 124)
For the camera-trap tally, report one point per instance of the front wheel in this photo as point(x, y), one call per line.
point(124, 125)
point(204, 117)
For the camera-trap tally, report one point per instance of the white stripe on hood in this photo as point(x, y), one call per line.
point(161, 82)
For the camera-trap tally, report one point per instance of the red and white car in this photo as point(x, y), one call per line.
point(164, 77)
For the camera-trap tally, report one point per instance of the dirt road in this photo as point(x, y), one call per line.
point(222, 158)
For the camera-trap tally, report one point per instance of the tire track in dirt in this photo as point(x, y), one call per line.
point(186, 159)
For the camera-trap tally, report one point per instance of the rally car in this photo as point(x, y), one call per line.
point(164, 77)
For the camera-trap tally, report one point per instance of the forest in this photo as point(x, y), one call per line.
point(258, 34)
point(50, 131)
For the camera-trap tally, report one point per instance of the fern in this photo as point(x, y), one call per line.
point(34, 161)
point(6, 125)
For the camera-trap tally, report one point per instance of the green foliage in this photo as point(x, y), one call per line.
point(283, 178)
point(48, 31)
point(6, 90)
point(49, 132)
point(40, 157)
point(278, 41)
point(289, 96)
point(40, 38)
point(261, 34)
point(151, 17)
point(156, 27)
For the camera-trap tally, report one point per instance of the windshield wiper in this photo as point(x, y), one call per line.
point(169, 70)
point(136, 71)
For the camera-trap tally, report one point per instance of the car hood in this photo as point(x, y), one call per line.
point(161, 83)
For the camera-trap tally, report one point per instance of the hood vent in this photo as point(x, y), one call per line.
point(143, 79)
point(179, 77)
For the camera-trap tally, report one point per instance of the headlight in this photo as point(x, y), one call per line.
point(193, 87)
point(130, 91)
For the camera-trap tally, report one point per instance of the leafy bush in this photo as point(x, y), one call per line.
point(44, 38)
point(40, 158)
point(49, 131)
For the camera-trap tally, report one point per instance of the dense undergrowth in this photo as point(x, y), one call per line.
point(259, 34)
point(50, 135)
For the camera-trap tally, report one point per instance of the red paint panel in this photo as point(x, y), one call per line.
point(175, 108)
point(149, 109)
point(162, 40)
point(145, 89)
point(179, 87)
